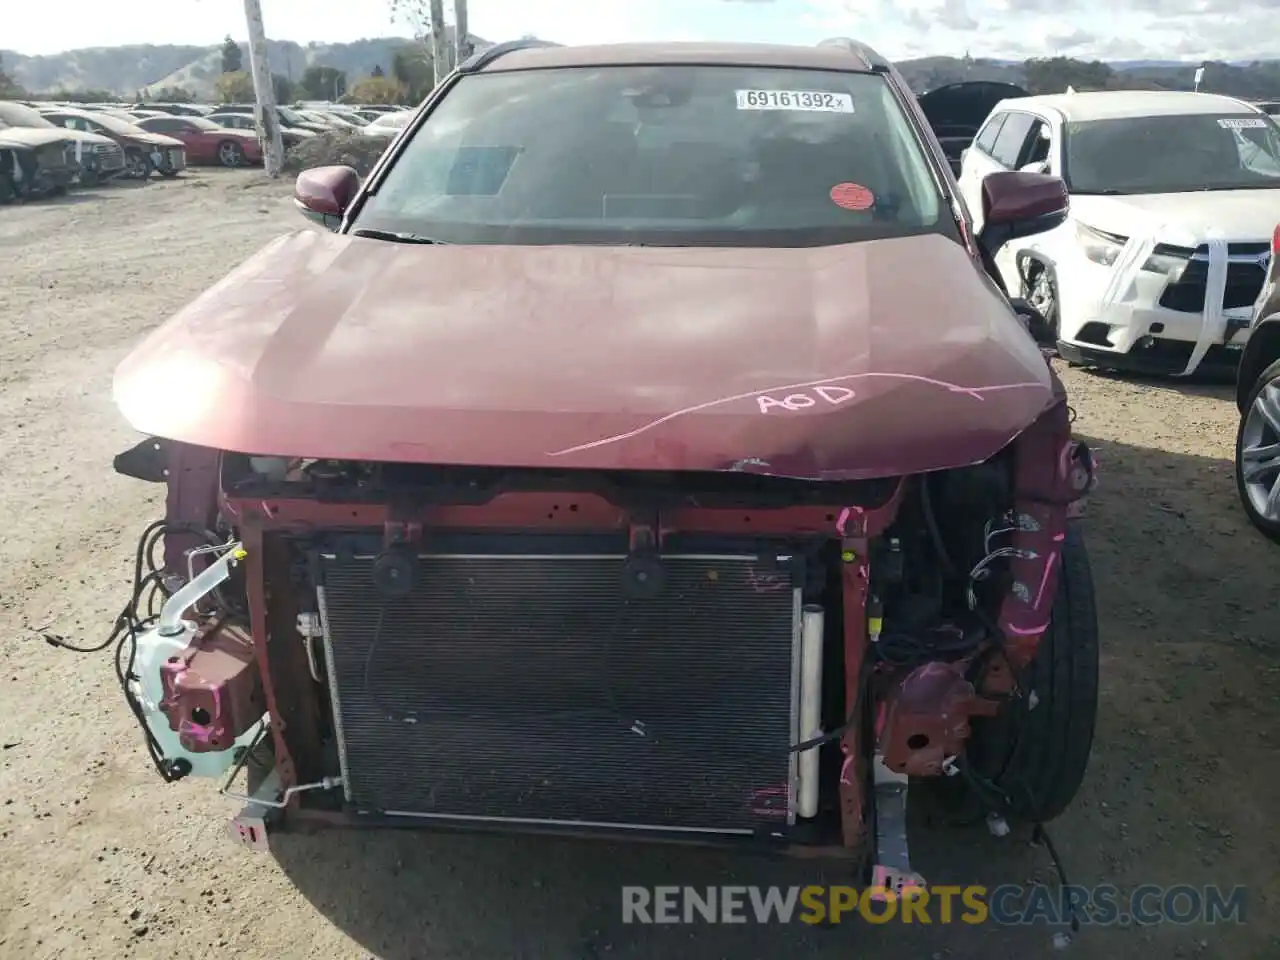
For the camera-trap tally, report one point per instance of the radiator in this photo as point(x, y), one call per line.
point(540, 689)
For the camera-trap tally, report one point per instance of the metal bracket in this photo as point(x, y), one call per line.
point(249, 826)
point(148, 460)
point(397, 533)
point(892, 874)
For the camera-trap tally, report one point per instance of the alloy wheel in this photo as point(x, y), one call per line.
point(1260, 453)
point(230, 154)
point(1042, 295)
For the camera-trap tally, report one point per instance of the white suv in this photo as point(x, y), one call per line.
point(1174, 197)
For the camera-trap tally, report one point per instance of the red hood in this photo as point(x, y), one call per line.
point(852, 361)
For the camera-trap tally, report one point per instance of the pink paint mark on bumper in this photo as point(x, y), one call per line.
point(1044, 580)
point(1028, 631)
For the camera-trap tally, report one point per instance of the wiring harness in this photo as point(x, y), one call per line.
point(140, 612)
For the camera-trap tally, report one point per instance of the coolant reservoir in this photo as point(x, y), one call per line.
point(153, 650)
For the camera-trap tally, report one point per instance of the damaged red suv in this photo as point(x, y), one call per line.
point(644, 450)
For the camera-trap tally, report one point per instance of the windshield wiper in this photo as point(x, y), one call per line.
point(1237, 186)
point(392, 236)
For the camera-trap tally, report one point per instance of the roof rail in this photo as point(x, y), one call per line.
point(872, 59)
point(481, 59)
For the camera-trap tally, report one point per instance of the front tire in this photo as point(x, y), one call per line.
point(1040, 289)
point(1036, 751)
point(1257, 458)
point(138, 165)
point(230, 154)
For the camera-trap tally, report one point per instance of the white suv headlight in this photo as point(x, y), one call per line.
point(1103, 248)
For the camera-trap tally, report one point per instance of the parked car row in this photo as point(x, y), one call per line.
point(298, 122)
point(45, 148)
point(295, 121)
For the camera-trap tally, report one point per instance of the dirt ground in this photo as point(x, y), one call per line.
point(98, 858)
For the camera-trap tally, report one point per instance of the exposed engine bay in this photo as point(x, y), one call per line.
point(710, 656)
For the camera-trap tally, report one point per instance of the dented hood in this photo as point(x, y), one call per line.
point(841, 362)
point(1184, 219)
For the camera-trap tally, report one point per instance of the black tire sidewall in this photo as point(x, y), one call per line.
point(135, 156)
point(1038, 755)
point(1266, 527)
point(238, 153)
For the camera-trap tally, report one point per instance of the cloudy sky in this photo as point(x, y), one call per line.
point(1147, 29)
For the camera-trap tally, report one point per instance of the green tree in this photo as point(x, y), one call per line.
point(8, 86)
point(85, 96)
point(168, 95)
point(232, 62)
point(284, 88)
point(1055, 74)
point(411, 66)
point(323, 83)
point(376, 90)
point(235, 87)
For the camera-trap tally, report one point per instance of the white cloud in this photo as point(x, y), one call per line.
point(1001, 28)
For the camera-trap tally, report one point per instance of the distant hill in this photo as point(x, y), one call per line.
point(125, 70)
point(1253, 80)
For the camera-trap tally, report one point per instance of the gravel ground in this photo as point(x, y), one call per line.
point(100, 859)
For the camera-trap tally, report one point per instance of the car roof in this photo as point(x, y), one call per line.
point(1118, 104)
point(69, 111)
point(825, 56)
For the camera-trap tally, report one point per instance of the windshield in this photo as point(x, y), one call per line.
point(396, 120)
point(202, 123)
point(112, 123)
point(714, 155)
point(1173, 154)
point(289, 116)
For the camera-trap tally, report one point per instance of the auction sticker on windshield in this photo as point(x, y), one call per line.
point(813, 100)
point(1243, 123)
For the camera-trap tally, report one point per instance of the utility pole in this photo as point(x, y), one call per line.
point(439, 51)
point(264, 90)
point(461, 32)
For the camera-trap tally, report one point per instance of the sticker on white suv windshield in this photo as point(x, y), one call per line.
point(812, 100)
point(1243, 123)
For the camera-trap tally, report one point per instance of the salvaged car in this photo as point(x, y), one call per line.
point(33, 164)
point(1173, 198)
point(246, 121)
point(144, 152)
point(956, 112)
point(609, 467)
point(289, 118)
point(95, 158)
point(387, 126)
point(1257, 457)
point(207, 142)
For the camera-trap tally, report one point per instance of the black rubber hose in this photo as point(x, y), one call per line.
point(931, 523)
